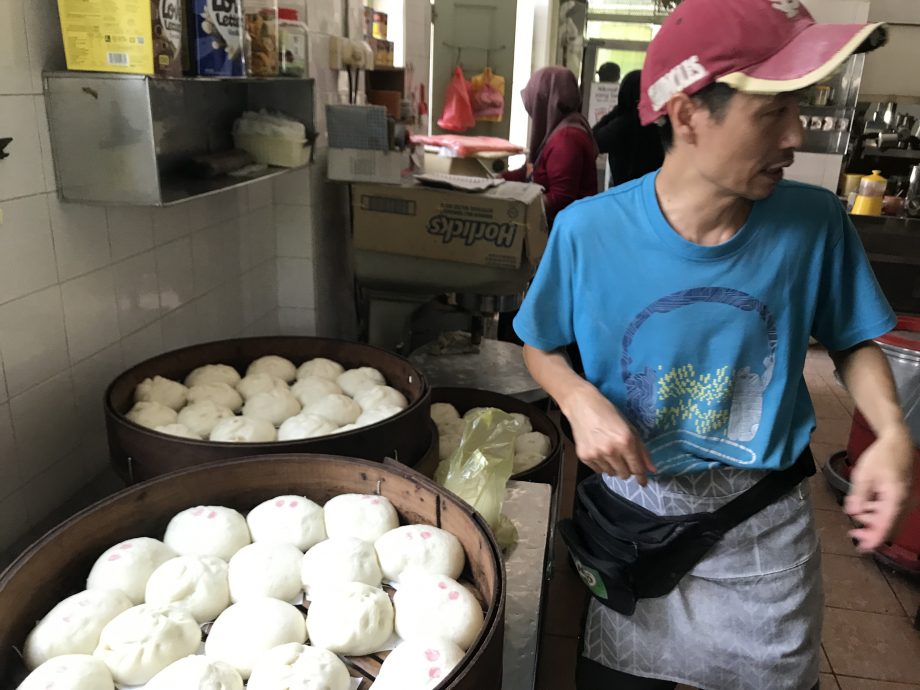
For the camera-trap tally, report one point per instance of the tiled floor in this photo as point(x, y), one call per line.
point(869, 641)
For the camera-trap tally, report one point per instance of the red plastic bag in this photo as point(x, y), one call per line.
point(458, 113)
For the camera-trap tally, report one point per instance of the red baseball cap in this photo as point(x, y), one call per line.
point(755, 46)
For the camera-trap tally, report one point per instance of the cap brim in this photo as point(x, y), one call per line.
point(808, 58)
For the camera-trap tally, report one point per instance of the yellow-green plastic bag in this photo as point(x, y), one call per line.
point(479, 470)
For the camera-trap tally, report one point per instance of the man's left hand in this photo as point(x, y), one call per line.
point(880, 487)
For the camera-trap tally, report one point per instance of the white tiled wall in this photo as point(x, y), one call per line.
point(86, 291)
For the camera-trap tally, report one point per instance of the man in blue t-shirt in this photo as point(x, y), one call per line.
point(691, 294)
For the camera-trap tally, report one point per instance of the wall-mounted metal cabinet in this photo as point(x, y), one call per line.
point(125, 139)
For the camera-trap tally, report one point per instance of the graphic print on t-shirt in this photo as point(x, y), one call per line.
point(705, 408)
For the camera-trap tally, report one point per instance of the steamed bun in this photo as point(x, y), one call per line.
point(70, 672)
point(339, 409)
point(523, 421)
point(378, 397)
point(305, 426)
point(321, 368)
point(448, 445)
point(207, 531)
point(178, 430)
point(343, 559)
point(354, 381)
point(279, 367)
point(311, 389)
point(533, 442)
point(253, 384)
point(443, 412)
point(213, 373)
point(197, 584)
point(201, 417)
point(127, 566)
point(265, 569)
point(273, 406)
point(142, 641)
point(196, 672)
point(222, 394)
point(245, 631)
point(151, 414)
point(243, 430)
point(297, 666)
point(434, 606)
point(418, 665)
point(421, 548)
point(351, 618)
point(74, 625)
point(375, 415)
point(362, 516)
point(292, 519)
point(162, 390)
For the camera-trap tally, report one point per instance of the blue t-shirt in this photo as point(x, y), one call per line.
point(703, 348)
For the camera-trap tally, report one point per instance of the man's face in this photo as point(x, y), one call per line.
point(745, 150)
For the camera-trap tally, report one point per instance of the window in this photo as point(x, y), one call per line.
point(622, 30)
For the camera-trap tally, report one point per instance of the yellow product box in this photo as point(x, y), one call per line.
point(130, 36)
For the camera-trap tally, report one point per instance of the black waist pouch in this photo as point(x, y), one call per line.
point(624, 552)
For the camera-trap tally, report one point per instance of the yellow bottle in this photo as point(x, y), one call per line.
point(871, 195)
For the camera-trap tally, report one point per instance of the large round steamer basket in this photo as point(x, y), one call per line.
point(465, 399)
point(138, 453)
point(57, 565)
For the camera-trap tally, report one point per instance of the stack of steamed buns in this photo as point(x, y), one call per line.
point(530, 447)
point(246, 581)
point(275, 401)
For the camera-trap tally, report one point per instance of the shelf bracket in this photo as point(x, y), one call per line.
point(4, 142)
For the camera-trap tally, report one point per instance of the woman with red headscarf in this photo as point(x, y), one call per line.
point(562, 151)
point(562, 155)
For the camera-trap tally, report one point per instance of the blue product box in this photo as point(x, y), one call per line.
point(216, 35)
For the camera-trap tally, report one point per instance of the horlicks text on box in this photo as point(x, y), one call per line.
point(216, 31)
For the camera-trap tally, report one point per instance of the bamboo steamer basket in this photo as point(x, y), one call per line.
point(465, 399)
point(56, 566)
point(138, 453)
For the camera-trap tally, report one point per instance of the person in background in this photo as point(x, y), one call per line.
point(609, 73)
point(561, 149)
point(562, 152)
point(634, 150)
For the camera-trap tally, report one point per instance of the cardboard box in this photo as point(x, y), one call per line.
point(503, 227)
point(362, 165)
point(216, 37)
point(129, 37)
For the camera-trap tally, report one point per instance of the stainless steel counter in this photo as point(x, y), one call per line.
point(529, 506)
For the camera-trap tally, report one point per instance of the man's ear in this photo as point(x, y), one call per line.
point(681, 109)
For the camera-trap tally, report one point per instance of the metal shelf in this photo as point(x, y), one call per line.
point(910, 154)
point(126, 139)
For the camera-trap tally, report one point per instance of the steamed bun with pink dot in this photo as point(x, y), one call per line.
point(418, 665)
point(436, 606)
point(207, 531)
point(423, 548)
point(292, 519)
point(128, 565)
point(362, 516)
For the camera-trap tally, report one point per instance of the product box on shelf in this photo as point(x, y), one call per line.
point(216, 31)
point(131, 37)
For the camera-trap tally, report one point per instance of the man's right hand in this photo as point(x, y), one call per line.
point(604, 440)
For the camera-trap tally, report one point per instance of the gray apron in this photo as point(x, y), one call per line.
point(747, 617)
